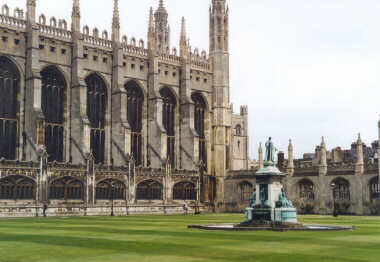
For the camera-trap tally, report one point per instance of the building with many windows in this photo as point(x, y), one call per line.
point(88, 116)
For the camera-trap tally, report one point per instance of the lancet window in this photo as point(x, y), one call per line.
point(53, 104)
point(199, 124)
point(135, 100)
point(169, 107)
point(9, 124)
point(96, 112)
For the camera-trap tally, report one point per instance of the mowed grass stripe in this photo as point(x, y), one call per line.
point(166, 238)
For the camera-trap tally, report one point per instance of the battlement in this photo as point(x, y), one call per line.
point(243, 110)
point(59, 29)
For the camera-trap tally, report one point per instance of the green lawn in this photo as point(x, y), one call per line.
point(166, 238)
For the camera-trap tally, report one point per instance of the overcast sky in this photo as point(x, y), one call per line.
point(305, 68)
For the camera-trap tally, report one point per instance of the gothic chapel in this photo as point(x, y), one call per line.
point(87, 117)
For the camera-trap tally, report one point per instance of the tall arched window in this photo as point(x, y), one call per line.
point(199, 124)
point(184, 191)
point(9, 88)
point(53, 103)
point(135, 101)
point(341, 190)
point(66, 188)
point(17, 188)
point(306, 190)
point(96, 112)
point(168, 111)
point(149, 190)
point(374, 188)
point(110, 189)
point(246, 190)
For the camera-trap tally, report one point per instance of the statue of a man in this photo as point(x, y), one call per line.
point(270, 151)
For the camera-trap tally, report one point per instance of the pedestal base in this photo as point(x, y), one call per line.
point(276, 215)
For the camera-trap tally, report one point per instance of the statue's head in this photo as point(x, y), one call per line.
point(270, 138)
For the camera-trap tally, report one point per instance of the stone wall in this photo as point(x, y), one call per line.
point(358, 199)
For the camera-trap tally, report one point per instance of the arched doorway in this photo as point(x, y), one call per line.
point(342, 195)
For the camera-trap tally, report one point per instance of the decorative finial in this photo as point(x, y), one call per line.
point(161, 4)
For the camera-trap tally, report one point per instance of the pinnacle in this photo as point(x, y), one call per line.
point(116, 16)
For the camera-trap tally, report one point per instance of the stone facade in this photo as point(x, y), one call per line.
point(319, 184)
point(94, 103)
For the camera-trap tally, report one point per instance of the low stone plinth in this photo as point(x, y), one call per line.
point(270, 227)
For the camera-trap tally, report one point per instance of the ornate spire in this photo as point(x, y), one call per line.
point(360, 142)
point(151, 29)
point(290, 144)
point(75, 17)
point(183, 39)
point(360, 156)
point(76, 9)
point(183, 29)
point(162, 30)
point(323, 144)
point(261, 161)
point(116, 22)
point(31, 11)
point(116, 16)
point(290, 158)
point(151, 19)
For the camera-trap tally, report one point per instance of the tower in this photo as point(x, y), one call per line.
point(221, 97)
point(162, 28)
